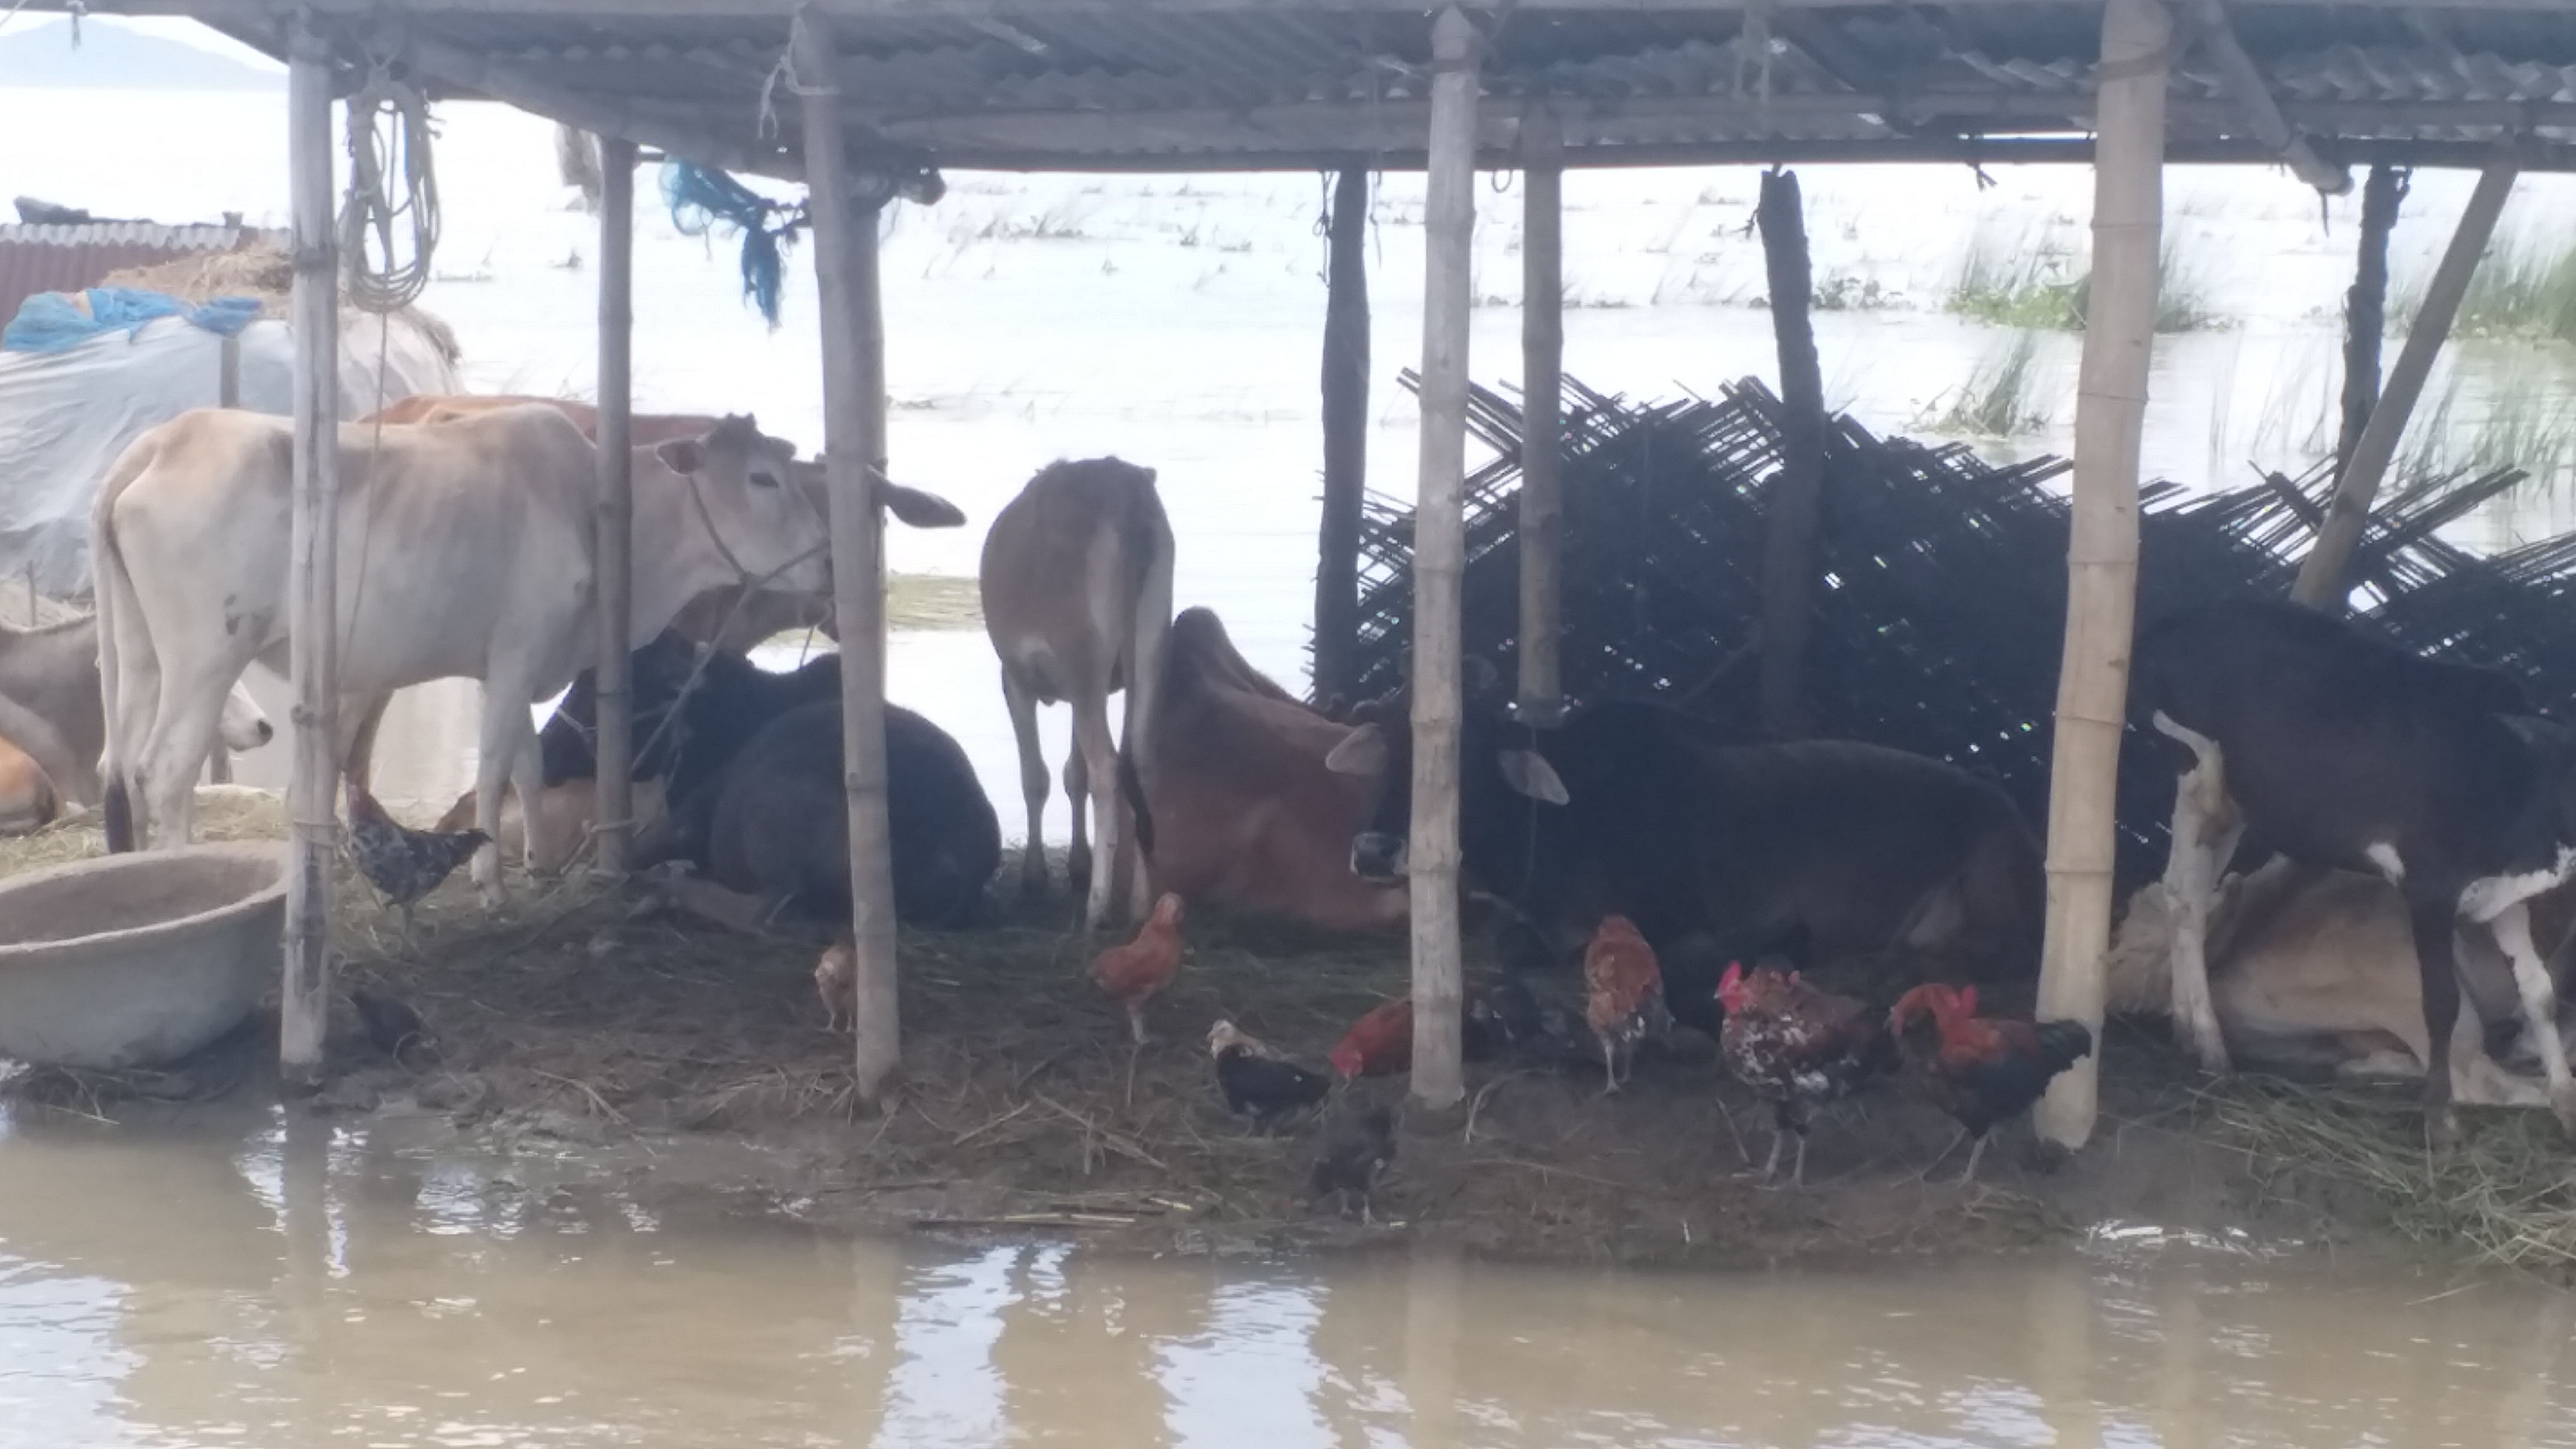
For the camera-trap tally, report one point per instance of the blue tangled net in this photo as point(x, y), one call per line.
point(701, 200)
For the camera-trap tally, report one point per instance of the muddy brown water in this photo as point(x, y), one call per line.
point(290, 1286)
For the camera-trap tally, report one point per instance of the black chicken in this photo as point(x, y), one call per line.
point(1259, 1081)
point(392, 1026)
point(401, 863)
point(1355, 1155)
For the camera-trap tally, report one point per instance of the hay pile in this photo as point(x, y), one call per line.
point(266, 271)
point(2508, 1195)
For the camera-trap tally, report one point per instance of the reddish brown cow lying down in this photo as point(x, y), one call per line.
point(2315, 971)
point(1245, 813)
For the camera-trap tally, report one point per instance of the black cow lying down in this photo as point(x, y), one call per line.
point(775, 823)
point(752, 765)
point(1719, 852)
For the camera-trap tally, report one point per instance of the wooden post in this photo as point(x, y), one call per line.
point(1346, 380)
point(2102, 551)
point(615, 546)
point(2365, 307)
point(1439, 560)
point(1542, 520)
point(2321, 577)
point(854, 422)
point(219, 761)
point(314, 650)
point(1789, 524)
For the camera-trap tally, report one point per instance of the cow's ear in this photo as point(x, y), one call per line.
point(1361, 752)
point(682, 455)
point(1529, 772)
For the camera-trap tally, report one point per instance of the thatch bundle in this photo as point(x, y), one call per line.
point(1942, 599)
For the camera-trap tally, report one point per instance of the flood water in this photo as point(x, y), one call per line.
point(292, 1289)
point(281, 1288)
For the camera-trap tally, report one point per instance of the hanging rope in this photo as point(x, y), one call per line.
point(701, 200)
point(388, 148)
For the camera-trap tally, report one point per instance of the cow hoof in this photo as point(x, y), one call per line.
point(2441, 1132)
point(2562, 1100)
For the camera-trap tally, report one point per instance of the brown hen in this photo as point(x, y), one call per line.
point(1623, 994)
point(1134, 972)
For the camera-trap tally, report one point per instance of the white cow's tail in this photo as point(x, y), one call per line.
point(114, 591)
point(1149, 539)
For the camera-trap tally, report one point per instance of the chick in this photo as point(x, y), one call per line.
point(1354, 1157)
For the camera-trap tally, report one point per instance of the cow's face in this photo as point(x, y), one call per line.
point(1498, 773)
point(750, 511)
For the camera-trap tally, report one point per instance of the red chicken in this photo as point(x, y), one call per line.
point(1983, 1071)
point(1623, 993)
point(1134, 972)
point(1797, 1046)
point(1379, 1043)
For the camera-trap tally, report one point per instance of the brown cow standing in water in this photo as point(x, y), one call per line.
point(1077, 587)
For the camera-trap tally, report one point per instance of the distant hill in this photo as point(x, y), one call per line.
point(111, 57)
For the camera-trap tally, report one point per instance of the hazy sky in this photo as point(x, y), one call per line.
point(187, 32)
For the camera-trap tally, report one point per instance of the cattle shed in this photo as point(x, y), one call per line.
point(865, 101)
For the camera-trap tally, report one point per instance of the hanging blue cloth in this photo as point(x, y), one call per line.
point(56, 322)
point(701, 199)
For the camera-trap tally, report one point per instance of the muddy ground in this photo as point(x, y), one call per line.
point(601, 1029)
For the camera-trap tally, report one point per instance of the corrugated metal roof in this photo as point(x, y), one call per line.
point(62, 258)
point(1296, 81)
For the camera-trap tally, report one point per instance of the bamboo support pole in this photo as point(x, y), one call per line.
point(1542, 501)
point(854, 448)
point(1795, 497)
point(2321, 576)
point(1346, 373)
point(2102, 553)
point(219, 761)
point(615, 746)
point(2365, 307)
point(304, 999)
point(1439, 559)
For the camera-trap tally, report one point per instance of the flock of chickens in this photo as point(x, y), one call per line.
point(1796, 1045)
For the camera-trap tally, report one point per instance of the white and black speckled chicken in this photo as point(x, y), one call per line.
point(401, 863)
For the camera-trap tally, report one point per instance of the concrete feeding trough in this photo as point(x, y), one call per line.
point(138, 960)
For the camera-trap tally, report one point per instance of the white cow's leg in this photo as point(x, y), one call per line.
point(1023, 707)
point(183, 733)
point(1099, 756)
point(1077, 799)
point(2512, 928)
point(505, 720)
point(2206, 827)
point(527, 777)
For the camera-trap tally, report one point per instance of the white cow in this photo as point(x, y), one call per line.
point(50, 693)
point(465, 550)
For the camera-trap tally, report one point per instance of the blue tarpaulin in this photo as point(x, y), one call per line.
point(56, 322)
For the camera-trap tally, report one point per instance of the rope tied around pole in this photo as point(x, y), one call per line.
point(389, 137)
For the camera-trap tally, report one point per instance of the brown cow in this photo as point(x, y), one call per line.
point(1245, 812)
point(1077, 587)
point(28, 800)
point(2314, 970)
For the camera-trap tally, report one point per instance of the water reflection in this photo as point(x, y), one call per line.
point(294, 1286)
